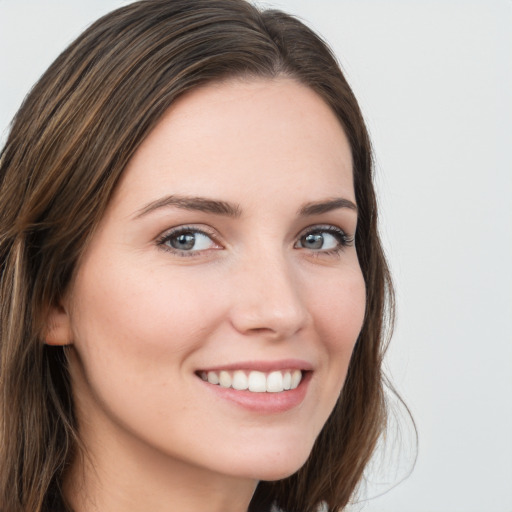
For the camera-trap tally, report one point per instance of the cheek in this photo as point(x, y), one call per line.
point(339, 314)
point(134, 332)
point(137, 311)
point(339, 309)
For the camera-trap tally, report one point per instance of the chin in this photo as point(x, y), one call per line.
point(274, 473)
point(274, 465)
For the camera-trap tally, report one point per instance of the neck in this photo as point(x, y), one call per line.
point(119, 474)
point(137, 487)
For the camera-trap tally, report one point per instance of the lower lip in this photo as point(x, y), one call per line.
point(269, 403)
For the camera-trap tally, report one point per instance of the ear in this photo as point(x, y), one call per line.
point(58, 327)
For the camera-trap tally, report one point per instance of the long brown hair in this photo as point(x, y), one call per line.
point(68, 146)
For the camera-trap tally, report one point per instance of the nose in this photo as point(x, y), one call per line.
point(270, 299)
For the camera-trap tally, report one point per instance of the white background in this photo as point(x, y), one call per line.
point(434, 79)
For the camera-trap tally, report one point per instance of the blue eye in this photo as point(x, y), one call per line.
point(324, 239)
point(187, 240)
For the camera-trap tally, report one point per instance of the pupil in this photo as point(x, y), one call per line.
point(314, 241)
point(184, 241)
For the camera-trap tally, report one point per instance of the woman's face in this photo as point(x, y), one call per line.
point(227, 255)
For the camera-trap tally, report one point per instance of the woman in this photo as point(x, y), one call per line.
point(189, 318)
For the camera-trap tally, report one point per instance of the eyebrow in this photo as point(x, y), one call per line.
point(201, 204)
point(225, 208)
point(317, 208)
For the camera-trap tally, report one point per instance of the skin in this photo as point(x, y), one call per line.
point(142, 318)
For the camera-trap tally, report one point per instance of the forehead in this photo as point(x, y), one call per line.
point(259, 135)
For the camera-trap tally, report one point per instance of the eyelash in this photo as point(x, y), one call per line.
point(344, 240)
point(183, 230)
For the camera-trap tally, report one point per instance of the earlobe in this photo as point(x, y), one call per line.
point(58, 327)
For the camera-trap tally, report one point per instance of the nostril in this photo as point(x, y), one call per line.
point(260, 330)
point(269, 320)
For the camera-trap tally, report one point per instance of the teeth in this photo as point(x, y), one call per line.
point(275, 382)
point(296, 378)
point(257, 382)
point(213, 378)
point(287, 380)
point(225, 379)
point(240, 380)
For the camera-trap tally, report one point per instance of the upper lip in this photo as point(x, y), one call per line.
point(262, 366)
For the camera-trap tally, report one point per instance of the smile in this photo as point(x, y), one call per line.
point(255, 381)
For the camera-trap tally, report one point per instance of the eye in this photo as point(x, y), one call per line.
point(187, 240)
point(327, 239)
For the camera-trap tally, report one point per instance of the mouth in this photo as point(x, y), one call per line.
point(254, 381)
point(260, 387)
